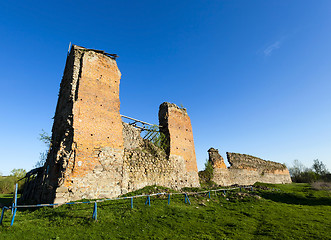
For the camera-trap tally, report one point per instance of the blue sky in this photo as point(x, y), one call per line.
point(253, 75)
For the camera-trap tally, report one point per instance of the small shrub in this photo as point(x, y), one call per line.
point(207, 175)
point(7, 184)
point(321, 185)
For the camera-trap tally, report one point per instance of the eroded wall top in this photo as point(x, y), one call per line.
point(244, 161)
point(216, 159)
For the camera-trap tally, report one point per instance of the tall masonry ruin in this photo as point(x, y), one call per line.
point(94, 154)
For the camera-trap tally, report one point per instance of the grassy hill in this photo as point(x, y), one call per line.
point(293, 211)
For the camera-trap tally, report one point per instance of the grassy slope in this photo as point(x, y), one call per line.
point(294, 212)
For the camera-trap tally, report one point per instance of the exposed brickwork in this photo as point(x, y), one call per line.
point(87, 134)
point(97, 121)
point(179, 130)
point(93, 153)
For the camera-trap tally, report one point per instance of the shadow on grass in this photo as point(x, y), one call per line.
point(291, 198)
point(6, 200)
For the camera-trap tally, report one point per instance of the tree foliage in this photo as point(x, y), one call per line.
point(7, 183)
point(157, 137)
point(319, 167)
point(207, 174)
point(302, 174)
point(18, 173)
point(45, 138)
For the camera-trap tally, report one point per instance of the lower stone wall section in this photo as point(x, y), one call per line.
point(144, 169)
point(228, 177)
point(146, 164)
point(246, 170)
point(119, 171)
point(104, 181)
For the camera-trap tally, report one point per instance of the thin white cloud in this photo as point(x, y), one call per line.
point(272, 47)
point(267, 50)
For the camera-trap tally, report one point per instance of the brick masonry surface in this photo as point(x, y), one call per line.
point(93, 153)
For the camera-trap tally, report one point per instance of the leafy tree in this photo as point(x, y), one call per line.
point(207, 175)
point(300, 173)
point(45, 138)
point(18, 173)
point(157, 137)
point(7, 184)
point(15, 175)
point(320, 168)
point(209, 169)
point(297, 169)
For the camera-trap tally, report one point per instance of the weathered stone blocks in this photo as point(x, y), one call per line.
point(246, 170)
point(216, 159)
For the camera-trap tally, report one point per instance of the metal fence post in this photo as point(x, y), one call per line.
point(13, 218)
point(187, 200)
point(169, 199)
point(14, 206)
point(14, 200)
point(148, 200)
point(3, 213)
point(95, 211)
point(16, 189)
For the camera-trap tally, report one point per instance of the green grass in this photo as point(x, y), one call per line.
point(292, 211)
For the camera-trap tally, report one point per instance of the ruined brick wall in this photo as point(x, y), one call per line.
point(97, 125)
point(146, 164)
point(247, 170)
point(179, 130)
point(216, 159)
point(93, 153)
point(176, 125)
point(86, 156)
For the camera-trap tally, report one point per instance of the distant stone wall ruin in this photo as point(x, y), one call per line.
point(246, 170)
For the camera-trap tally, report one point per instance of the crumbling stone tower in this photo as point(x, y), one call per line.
point(87, 126)
point(216, 159)
point(176, 125)
point(88, 158)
